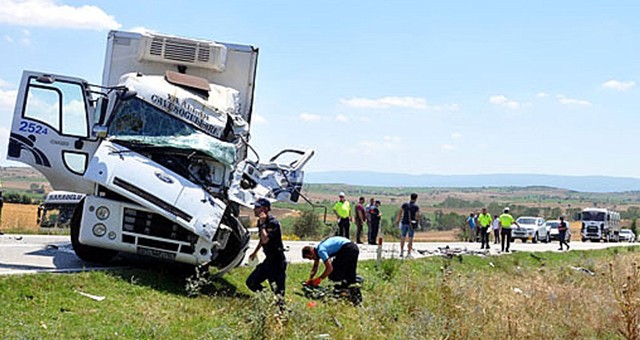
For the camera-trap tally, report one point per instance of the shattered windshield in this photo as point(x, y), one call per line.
point(593, 216)
point(138, 121)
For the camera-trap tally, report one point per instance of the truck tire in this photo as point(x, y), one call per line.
point(87, 253)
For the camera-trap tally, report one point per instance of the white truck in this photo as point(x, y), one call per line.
point(600, 224)
point(160, 149)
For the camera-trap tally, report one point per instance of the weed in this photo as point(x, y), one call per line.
point(625, 285)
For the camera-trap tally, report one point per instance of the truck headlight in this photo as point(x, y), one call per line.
point(99, 229)
point(102, 213)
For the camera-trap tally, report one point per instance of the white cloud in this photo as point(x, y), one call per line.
point(619, 85)
point(542, 95)
point(504, 101)
point(387, 143)
point(4, 83)
point(456, 135)
point(48, 13)
point(308, 117)
point(398, 102)
point(141, 30)
point(7, 100)
point(258, 119)
point(342, 118)
point(448, 147)
point(8, 39)
point(572, 101)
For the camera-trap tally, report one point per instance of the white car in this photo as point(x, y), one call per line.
point(531, 228)
point(554, 234)
point(627, 235)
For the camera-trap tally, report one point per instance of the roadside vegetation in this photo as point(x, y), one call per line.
point(594, 294)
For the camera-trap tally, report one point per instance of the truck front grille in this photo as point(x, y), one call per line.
point(146, 223)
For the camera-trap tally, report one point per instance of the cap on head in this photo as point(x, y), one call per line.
point(506, 208)
point(341, 194)
point(562, 217)
point(262, 203)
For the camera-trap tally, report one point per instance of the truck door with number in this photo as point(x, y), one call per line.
point(51, 129)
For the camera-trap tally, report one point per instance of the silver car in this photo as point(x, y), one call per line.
point(530, 228)
point(627, 235)
point(554, 234)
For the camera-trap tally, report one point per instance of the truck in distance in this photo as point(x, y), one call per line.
point(600, 224)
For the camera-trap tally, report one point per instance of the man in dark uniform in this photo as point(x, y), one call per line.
point(274, 267)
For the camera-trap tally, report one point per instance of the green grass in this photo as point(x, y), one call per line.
point(462, 297)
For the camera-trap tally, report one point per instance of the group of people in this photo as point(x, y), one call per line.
point(481, 225)
point(338, 254)
point(370, 215)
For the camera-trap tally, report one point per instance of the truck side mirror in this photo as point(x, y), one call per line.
point(103, 103)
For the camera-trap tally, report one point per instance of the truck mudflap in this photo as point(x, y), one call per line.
point(156, 188)
point(272, 180)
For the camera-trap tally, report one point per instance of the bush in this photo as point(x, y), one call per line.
point(307, 225)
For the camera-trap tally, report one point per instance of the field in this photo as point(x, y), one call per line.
point(19, 218)
point(574, 295)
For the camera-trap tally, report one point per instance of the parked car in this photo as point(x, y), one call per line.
point(627, 235)
point(554, 234)
point(531, 228)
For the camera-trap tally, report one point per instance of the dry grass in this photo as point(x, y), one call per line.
point(19, 217)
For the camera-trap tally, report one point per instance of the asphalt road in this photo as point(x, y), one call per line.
point(26, 254)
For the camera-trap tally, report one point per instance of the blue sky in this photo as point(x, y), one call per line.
point(420, 87)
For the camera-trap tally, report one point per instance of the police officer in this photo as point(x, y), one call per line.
point(274, 266)
point(485, 223)
point(506, 220)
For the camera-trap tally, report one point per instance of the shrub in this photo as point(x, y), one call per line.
point(307, 225)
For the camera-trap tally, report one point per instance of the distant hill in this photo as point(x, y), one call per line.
point(576, 183)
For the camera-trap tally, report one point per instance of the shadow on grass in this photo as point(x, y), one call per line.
point(174, 278)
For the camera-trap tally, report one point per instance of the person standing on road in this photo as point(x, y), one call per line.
point(368, 211)
point(562, 231)
point(496, 229)
point(342, 209)
point(506, 220)
point(340, 258)
point(274, 267)
point(410, 214)
point(374, 223)
point(471, 222)
point(361, 217)
point(485, 223)
point(1, 204)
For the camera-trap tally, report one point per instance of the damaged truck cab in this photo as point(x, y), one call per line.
point(160, 148)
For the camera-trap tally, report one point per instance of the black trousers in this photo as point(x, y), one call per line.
point(562, 238)
point(358, 232)
point(506, 236)
point(345, 263)
point(484, 237)
point(496, 236)
point(273, 270)
point(343, 227)
point(374, 227)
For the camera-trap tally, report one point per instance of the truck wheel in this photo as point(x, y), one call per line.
point(87, 253)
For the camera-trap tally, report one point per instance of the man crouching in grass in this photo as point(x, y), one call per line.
point(274, 267)
point(340, 258)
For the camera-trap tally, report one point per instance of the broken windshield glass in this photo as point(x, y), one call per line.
point(135, 120)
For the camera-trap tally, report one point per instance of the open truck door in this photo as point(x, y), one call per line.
point(51, 129)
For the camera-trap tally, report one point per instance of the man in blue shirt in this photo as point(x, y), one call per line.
point(340, 258)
